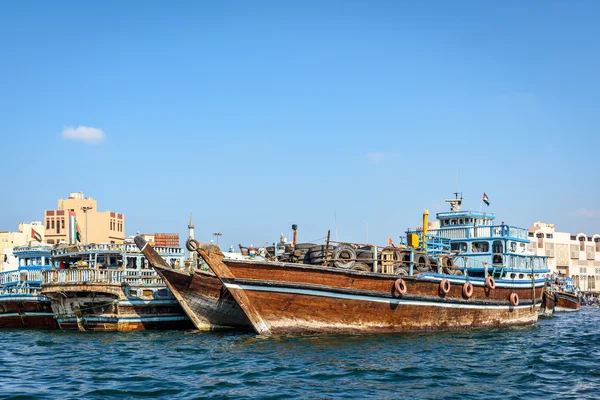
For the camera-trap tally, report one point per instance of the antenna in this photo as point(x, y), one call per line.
point(457, 179)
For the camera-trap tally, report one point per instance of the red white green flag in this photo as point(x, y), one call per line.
point(485, 199)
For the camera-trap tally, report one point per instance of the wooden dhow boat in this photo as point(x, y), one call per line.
point(548, 303)
point(205, 300)
point(416, 287)
point(110, 287)
point(566, 297)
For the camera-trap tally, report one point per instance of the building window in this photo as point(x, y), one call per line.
point(549, 235)
point(540, 235)
point(47, 224)
point(589, 239)
point(62, 222)
point(52, 224)
point(530, 234)
point(573, 237)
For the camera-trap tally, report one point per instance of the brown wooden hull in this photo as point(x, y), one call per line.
point(567, 302)
point(201, 294)
point(31, 312)
point(104, 307)
point(281, 298)
point(211, 305)
point(548, 304)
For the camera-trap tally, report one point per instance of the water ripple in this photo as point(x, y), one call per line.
point(556, 358)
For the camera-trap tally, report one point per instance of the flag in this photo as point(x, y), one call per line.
point(485, 199)
point(35, 235)
point(78, 231)
point(390, 241)
point(74, 231)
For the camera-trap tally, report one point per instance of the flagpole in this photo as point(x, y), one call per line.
point(480, 205)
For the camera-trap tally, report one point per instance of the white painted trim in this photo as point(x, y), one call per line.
point(309, 292)
point(556, 308)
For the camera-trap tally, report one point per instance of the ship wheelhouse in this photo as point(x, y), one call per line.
point(482, 247)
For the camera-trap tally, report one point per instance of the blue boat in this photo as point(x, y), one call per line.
point(111, 287)
point(481, 249)
point(21, 303)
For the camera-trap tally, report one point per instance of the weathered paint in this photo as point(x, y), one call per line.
point(201, 294)
point(99, 306)
point(281, 298)
point(32, 312)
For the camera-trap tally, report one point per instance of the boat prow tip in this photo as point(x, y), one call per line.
point(140, 242)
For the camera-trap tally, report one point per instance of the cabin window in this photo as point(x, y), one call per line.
point(447, 222)
point(498, 248)
point(460, 246)
point(461, 221)
point(480, 247)
point(513, 247)
point(453, 222)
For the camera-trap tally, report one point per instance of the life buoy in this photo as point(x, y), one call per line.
point(467, 290)
point(191, 244)
point(400, 286)
point(445, 286)
point(514, 299)
point(490, 283)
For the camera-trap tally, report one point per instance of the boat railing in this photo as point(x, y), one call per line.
point(114, 248)
point(20, 290)
point(471, 232)
point(81, 275)
point(144, 281)
point(9, 277)
point(32, 249)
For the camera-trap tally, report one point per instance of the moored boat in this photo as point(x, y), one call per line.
point(21, 303)
point(548, 303)
point(566, 296)
point(200, 293)
point(420, 286)
point(111, 287)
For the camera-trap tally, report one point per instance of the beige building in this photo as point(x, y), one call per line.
point(573, 255)
point(29, 233)
point(94, 226)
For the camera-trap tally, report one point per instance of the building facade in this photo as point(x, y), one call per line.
point(29, 233)
point(94, 226)
point(573, 255)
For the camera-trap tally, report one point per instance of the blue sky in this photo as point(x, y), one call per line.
point(257, 115)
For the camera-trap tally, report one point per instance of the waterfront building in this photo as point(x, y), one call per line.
point(28, 233)
point(575, 255)
point(80, 211)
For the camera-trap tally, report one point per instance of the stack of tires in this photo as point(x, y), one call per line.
point(316, 254)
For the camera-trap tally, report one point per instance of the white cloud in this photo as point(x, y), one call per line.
point(83, 133)
point(376, 157)
point(584, 212)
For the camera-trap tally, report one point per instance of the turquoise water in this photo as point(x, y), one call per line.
point(557, 358)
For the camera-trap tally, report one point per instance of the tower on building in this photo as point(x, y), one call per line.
point(191, 228)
